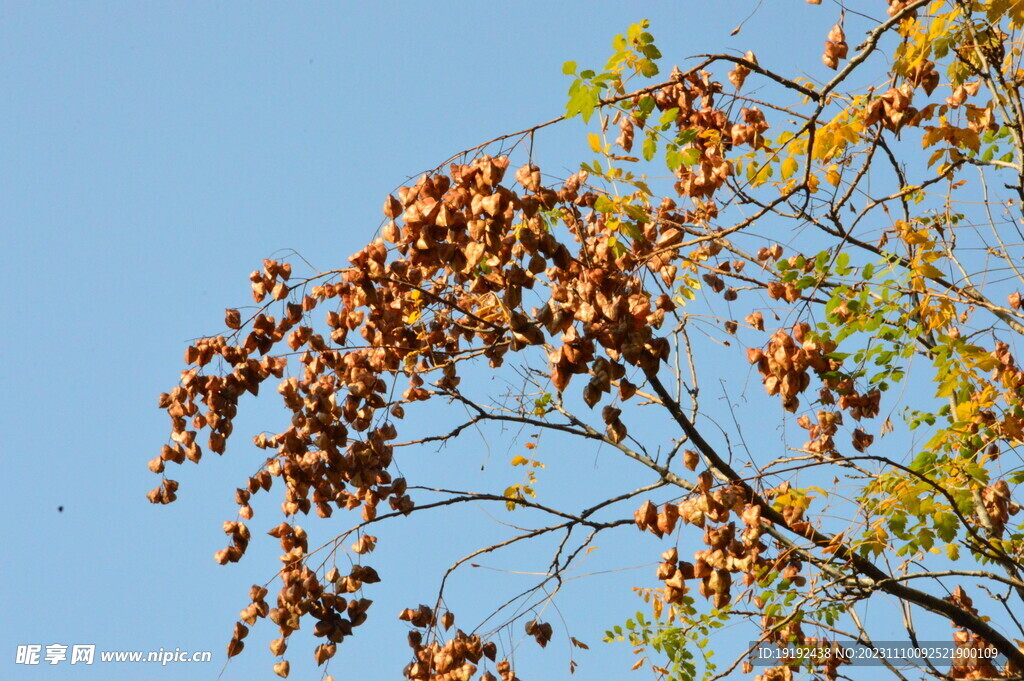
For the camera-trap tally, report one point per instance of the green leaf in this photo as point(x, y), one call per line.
point(642, 186)
point(843, 263)
point(569, 68)
point(637, 213)
point(690, 157)
point(923, 460)
point(672, 159)
point(687, 136)
point(590, 103)
point(946, 525)
point(648, 68)
point(668, 115)
point(603, 205)
point(616, 59)
point(578, 96)
point(649, 149)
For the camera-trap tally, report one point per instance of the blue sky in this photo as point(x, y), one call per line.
point(150, 156)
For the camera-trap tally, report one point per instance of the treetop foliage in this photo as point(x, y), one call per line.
point(854, 242)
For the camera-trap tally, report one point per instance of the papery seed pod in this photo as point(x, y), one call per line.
point(249, 614)
point(366, 544)
point(616, 431)
point(690, 459)
point(738, 75)
point(667, 518)
point(279, 645)
point(646, 516)
point(626, 389)
point(625, 138)
point(232, 319)
point(235, 647)
point(392, 207)
point(324, 652)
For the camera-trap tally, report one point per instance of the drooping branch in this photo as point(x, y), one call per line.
point(882, 580)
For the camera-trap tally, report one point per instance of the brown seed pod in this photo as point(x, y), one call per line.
point(278, 646)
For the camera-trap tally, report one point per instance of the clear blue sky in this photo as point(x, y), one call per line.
point(150, 156)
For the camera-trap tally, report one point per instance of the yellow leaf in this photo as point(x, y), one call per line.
point(803, 502)
point(968, 139)
point(928, 270)
point(832, 175)
point(931, 136)
point(789, 167)
point(965, 410)
point(986, 362)
point(822, 143)
point(518, 460)
point(914, 237)
point(834, 544)
point(595, 142)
